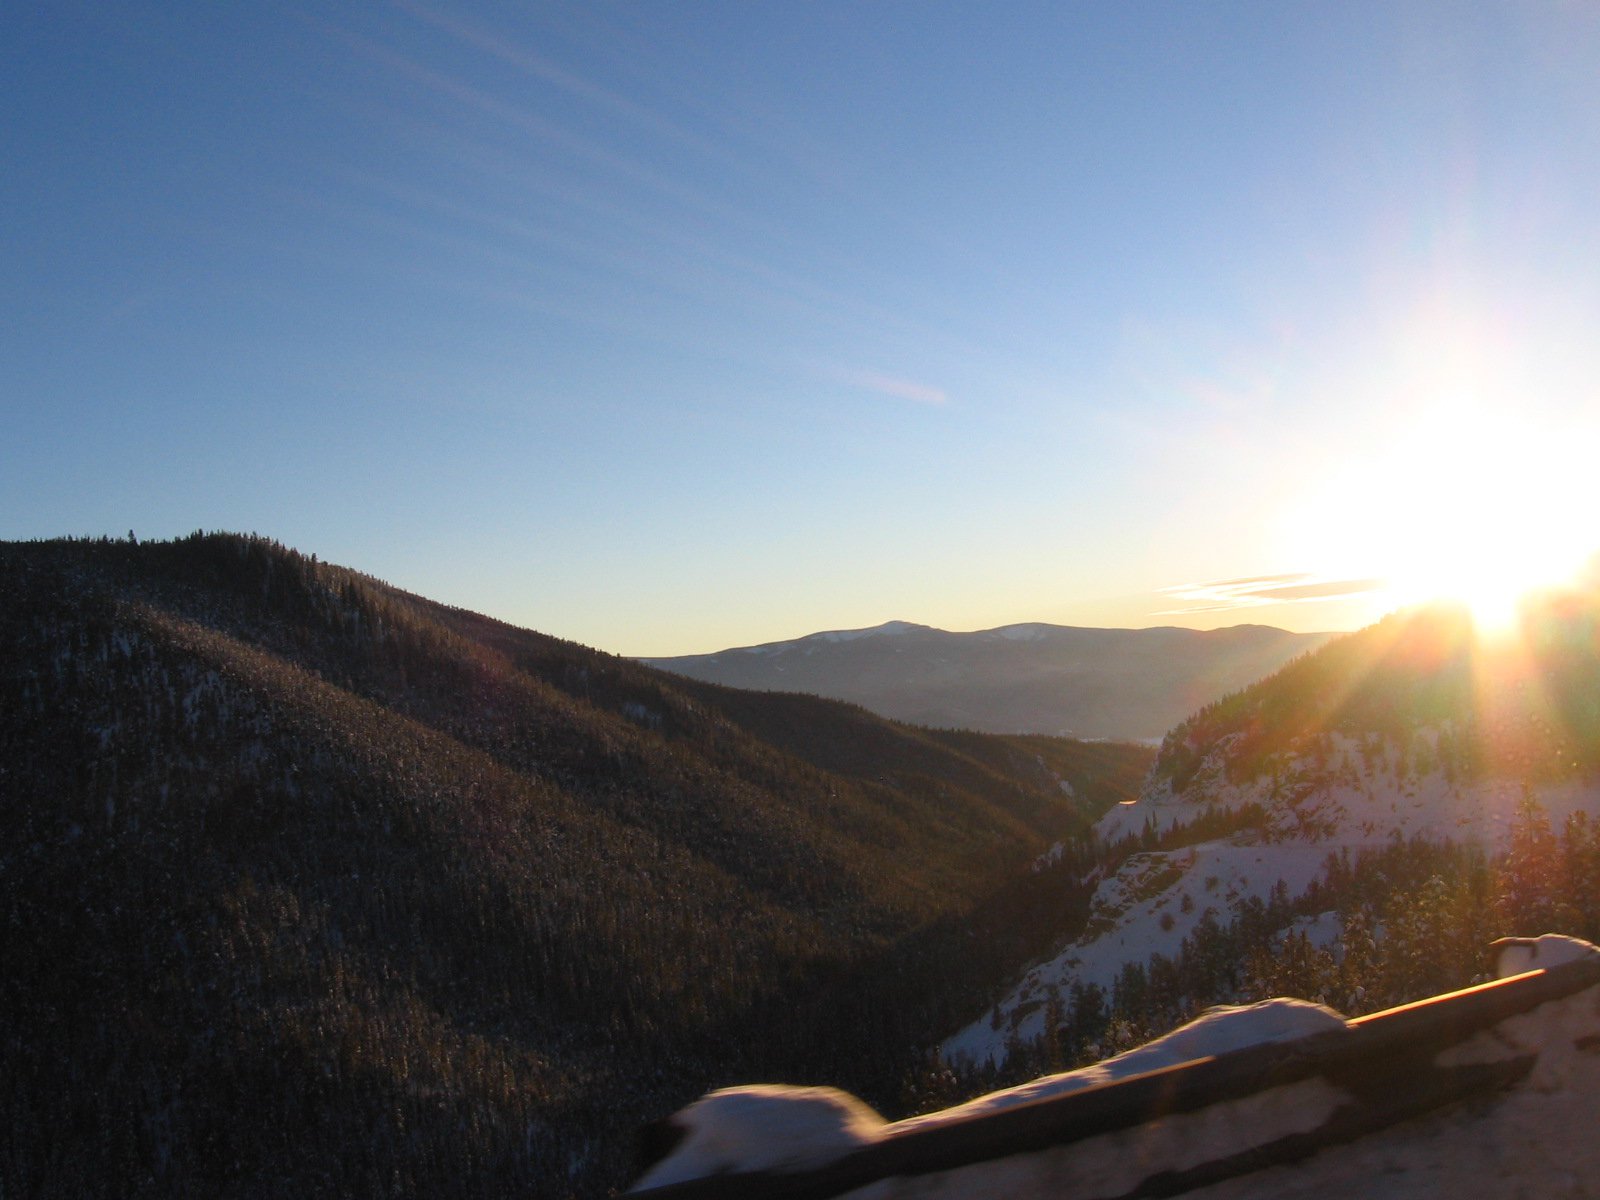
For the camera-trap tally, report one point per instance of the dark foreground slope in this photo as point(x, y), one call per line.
point(311, 887)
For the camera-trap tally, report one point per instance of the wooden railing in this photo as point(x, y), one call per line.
point(1384, 1062)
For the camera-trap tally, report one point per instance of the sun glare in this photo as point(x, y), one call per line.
point(1466, 505)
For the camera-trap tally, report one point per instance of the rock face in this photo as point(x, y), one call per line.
point(1124, 684)
point(1281, 1099)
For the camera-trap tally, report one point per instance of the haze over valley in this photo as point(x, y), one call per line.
point(1122, 684)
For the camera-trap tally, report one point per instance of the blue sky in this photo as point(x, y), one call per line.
point(668, 327)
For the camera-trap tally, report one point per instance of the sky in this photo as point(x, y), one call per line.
point(667, 327)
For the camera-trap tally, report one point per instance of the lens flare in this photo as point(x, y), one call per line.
point(1465, 504)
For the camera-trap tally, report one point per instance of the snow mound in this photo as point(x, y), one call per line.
point(763, 1128)
point(1519, 954)
point(1216, 1031)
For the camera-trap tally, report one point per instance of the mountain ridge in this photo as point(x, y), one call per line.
point(321, 888)
point(1026, 677)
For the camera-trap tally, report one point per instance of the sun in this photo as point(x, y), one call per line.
point(1496, 510)
point(1492, 591)
point(1462, 503)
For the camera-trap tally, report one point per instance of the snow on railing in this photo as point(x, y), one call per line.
point(1158, 1132)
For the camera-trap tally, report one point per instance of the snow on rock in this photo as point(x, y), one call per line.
point(763, 1128)
point(1519, 954)
point(1050, 857)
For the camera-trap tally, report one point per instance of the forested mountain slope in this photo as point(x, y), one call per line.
point(312, 887)
point(1359, 826)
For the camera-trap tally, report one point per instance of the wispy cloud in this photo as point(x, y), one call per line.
point(893, 385)
point(1259, 590)
point(540, 67)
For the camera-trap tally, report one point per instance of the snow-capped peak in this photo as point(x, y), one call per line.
point(887, 629)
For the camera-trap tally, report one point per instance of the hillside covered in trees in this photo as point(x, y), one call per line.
point(1523, 703)
point(312, 887)
point(1355, 828)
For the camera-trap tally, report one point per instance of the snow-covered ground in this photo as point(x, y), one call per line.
point(1339, 795)
point(1128, 923)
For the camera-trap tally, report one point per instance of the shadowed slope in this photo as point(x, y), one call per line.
point(316, 888)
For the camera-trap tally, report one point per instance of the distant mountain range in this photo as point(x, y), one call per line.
point(1129, 684)
point(312, 887)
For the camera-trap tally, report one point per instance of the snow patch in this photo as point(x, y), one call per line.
point(763, 1128)
point(1519, 954)
point(1148, 906)
point(887, 629)
point(1216, 1031)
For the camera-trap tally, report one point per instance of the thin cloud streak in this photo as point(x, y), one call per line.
point(543, 68)
point(764, 280)
point(1291, 577)
point(1260, 590)
point(901, 389)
